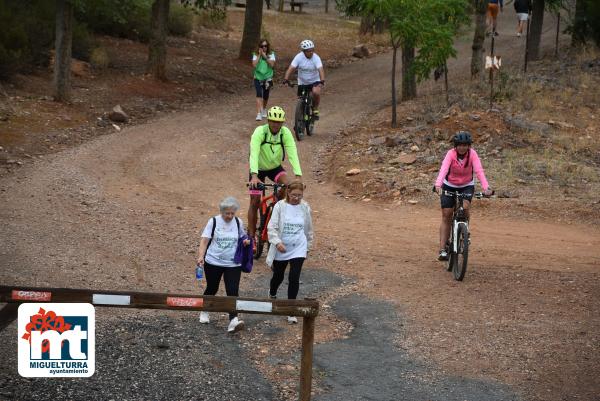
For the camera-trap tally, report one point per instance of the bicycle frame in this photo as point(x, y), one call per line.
point(458, 216)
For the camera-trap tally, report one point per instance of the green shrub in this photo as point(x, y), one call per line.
point(27, 34)
point(127, 19)
point(83, 42)
point(99, 58)
point(212, 18)
point(181, 20)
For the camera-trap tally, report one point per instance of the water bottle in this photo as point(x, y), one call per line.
point(199, 274)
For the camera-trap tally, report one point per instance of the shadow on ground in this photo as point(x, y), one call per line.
point(368, 366)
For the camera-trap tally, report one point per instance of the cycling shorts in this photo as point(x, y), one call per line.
point(263, 88)
point(448, 201)
point(273, 175)
point(307, 87)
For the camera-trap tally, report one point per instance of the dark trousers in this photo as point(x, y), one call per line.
point(231, 277)
point(293, 277)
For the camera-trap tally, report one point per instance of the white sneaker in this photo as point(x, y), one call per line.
point(235, 324)
point(518, 34)
point(264, 113)
point(204, 317)
point(258, 117)
point(292, 320)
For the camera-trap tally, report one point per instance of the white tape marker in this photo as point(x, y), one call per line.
point(106, 299)
point(253, 306)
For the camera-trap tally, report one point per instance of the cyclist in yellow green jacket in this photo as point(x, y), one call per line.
point(269, 145)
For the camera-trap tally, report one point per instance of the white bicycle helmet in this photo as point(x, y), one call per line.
point(307, 44)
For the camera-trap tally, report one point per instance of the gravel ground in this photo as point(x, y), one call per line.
point(167, 356)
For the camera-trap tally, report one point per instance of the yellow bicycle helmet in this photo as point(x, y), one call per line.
point(276, 113)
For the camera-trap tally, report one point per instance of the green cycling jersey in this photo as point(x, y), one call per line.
point(267, 151)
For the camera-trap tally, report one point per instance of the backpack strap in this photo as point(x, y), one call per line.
point(212, 234)
point(237, 222)
point(265, 132)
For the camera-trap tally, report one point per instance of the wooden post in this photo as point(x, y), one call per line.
point(446, 83)
point(492, 76)
point(527, 42)
point(308, 337)
point(557, 32)
point(62, 53)
point(326, 6)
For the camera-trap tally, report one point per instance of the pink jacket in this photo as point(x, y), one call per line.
point(459, 173)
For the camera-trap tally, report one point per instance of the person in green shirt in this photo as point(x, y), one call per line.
point(263, 61)
point(269, 145)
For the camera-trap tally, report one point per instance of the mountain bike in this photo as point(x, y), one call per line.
point(304, 119)
point(460, 238)
point(267, 202)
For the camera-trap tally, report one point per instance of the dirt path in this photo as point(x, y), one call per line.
point(123, 211)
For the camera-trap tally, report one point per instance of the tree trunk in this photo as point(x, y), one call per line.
point(279, 8)
point(480, 7)
point(372, 25)
point(252, 27)
point(579, 34)
point(157, 47)
point(409, 81)
point(537, 21)
point(62, 55)
point(394, 100)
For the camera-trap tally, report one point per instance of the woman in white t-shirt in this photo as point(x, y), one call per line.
point(215, 254)
point(310, 72)
point(291, 235)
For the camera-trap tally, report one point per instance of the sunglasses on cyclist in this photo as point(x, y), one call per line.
point(264, 45)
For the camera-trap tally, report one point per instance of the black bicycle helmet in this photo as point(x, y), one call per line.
point(462, 137)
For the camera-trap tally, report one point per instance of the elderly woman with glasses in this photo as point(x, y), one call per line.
point(263, 61)
point(291, 235)
point(216, 252)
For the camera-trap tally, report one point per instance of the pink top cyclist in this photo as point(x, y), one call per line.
point(457, 170)
point(457, 174)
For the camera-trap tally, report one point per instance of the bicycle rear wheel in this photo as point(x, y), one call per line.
point(462, 256)
point(299, 120)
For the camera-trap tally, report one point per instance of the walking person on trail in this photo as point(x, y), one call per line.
point(216, 253)
point(310, 73)
point(456, 174)
point(269, 145)
point(291, 236)
point(494, 6)
point(522, 8)
point(263, 62)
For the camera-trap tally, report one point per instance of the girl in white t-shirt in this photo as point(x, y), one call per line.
point(291, 235)
point(215, 254)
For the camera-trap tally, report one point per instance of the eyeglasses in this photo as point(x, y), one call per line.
point(264, 45)
point(296, 196)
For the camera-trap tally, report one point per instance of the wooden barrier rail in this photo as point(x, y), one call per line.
point(308, 309)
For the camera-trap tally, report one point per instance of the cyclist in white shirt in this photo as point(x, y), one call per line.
point(310, 72)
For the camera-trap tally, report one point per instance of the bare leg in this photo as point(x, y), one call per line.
point(259, 104)
point(316, 92)
point(252, 214)
point(445, 227)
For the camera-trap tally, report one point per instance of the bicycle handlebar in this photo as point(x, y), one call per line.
point(477, 195)
point(262, 185)
point(292, 84)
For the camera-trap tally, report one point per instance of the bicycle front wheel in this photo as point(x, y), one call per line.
point(299, 120)
point(260, 232)
point(462, 256)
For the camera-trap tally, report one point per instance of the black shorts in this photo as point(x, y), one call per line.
point(273, 175)
point(262, 88)
point(307, 87)
point(448, 201)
